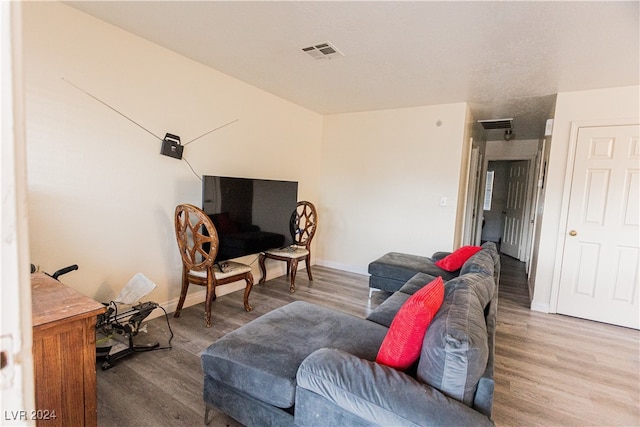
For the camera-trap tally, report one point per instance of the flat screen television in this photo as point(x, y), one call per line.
point(250, 215)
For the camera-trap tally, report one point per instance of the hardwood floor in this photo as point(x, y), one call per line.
point(559, 370)
point(550, 369)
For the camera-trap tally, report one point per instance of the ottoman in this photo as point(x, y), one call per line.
point(392, 270)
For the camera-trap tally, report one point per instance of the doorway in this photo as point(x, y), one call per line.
point(489, 223)
point(506, 214)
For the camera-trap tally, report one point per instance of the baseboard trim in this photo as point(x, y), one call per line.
point(541, 307)
point(197, 294)
point(342, 267)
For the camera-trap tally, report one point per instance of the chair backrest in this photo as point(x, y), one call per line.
point(303, 223)
point(197, 237)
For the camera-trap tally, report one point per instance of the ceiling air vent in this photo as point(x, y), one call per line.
point(323, 50)
point(497, 123)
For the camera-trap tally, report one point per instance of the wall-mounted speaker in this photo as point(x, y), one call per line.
point(171, 146)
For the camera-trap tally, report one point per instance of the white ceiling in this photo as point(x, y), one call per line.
point(506, 59)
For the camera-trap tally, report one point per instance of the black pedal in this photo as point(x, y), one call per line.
point(145, 306)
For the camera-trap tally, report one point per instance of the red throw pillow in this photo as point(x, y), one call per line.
point(455, 260)
point(403, 342)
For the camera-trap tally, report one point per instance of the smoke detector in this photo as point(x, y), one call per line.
point(324, 50)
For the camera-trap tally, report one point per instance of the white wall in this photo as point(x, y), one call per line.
point(100, 193)
point(479, 141)
point(463, 181)
point(383, 174)
point(102, 196)
point(519, 149)
point(593, 105)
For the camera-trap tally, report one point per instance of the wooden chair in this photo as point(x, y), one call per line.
point(304, 222)
point(198, 244)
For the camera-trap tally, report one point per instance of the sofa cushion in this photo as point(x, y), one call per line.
point(333, 385)
point(416, 283)
point(493, 250)
point(261, 358)
point(401, 346)
point(385, 312)
point(455, 261)
point(480, 262)
point(455, 349)
point(481, 283)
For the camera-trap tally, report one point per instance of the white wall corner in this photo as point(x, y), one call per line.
point(542, 307)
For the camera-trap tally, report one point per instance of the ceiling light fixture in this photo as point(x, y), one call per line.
point(508, 134)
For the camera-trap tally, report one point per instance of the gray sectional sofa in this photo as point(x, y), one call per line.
point(303, 364)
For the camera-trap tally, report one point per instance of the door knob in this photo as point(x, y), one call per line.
point(573, 233)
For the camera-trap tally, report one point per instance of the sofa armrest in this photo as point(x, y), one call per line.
point(380, 394)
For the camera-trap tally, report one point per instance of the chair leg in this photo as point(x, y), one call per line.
point(294, 270)
point(183, 294)
point(307, 262)
point(247, 291)
point(263, 269)
point(211, 293)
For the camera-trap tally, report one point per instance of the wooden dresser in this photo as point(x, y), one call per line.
point(64, 354)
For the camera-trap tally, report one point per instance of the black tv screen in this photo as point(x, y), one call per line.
point(250, 215)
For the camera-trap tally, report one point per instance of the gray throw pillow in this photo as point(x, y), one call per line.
point(455, 350)
point(480, 262)
point(483, 284)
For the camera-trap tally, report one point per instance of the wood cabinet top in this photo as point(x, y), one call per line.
point(53, 302)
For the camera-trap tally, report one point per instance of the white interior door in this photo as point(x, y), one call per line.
point(599, 273)
point(515, 208)
point(16, 376)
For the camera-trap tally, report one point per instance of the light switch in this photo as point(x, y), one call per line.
point(443, 201)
